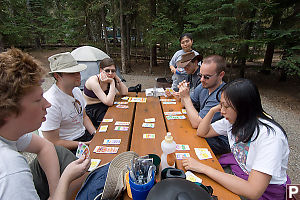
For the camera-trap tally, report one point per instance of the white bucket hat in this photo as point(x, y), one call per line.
point(64, 62)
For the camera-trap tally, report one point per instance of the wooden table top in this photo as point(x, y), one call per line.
point(132, 139)
point(117, 114)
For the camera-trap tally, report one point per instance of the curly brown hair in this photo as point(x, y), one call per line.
point(19, 73)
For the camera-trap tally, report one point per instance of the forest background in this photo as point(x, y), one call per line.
point(239, 30)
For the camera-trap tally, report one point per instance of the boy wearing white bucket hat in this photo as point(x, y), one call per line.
point(66, 121)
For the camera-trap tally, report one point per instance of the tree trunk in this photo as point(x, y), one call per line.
point(128, 39)
point(1, 43)
point(270, 46)
point(113, 7)
point(268, 56)
point(103, 13)
point(153, 50)
point(151, 63)
point(123, 55)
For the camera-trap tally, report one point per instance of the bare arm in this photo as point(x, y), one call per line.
point(53, 136)
point(88, 123)
point(73, 171)
point(47, 158)
point(192, 113)
point(205, 129)
point(121, 87)
point(106, 99)
point(252, 189)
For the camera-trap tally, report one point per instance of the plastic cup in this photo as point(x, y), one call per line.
point(128, 185)
point(140, 192)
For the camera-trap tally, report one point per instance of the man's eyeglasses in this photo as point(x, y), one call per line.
point(110, 70)
point(77, 106)
point(206, 77)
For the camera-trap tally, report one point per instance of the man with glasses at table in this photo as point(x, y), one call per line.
point(66, 123)
point(204, 98)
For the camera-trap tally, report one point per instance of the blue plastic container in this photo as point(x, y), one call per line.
point(140, 192)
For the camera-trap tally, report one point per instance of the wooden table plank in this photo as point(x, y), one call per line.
point(150, 109)
point(183, 133)
point(117, 114)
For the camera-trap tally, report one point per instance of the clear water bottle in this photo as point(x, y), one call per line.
point(168, 147)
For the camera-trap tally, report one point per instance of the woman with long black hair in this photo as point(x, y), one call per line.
point(259, 145)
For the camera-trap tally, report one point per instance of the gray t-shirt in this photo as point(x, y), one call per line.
point(15, 176)
point(203, 101)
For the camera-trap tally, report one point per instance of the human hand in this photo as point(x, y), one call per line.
point(193, 165)
point(87, 143)
point(76, 168)
point(184, 89)
point(104, 78)
point(173, 69)
point(216, 108)
point(176, 95)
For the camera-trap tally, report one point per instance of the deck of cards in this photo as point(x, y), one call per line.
point(82, 150)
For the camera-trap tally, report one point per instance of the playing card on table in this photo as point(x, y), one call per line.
point(122, 106)
point(125, 98)
point(192, 177)
point(82, 149)
point(121, 102)
point(182, 147)
point(173, 113)
point(103, 149)
point(170, 117)
point(112, 141)
point(148, 125)
point(183, 111)
point(169, 102)
point(203, 153)
point(103, 128)
point(121, 128)
point(94, 164)
point(107, 120)
point(180, 156)
point(150, 120)
point(149, 136)
point(137, 99)
point(119, 123)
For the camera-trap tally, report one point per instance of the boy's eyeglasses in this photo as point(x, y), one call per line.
point(77, 106)
point(206, 77)
point(110, 70)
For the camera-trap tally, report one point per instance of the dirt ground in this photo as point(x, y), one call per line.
point(280, 99)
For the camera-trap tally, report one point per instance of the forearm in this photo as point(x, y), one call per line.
point(204, 126)
point(88, 124)
point(69, 144)
point(48, 160)
point(121, 87)
point(62, 188)
point(192, 113)
point(110, 97)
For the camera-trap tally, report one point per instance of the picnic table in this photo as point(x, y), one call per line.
point(133, 140)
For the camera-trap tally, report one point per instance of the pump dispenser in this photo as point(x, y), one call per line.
point(168, 147)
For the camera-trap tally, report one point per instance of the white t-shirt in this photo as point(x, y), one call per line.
point(63, 114)
point(267, 154)
point(16, 180)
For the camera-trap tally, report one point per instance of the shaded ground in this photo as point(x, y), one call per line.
point(280, 99)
